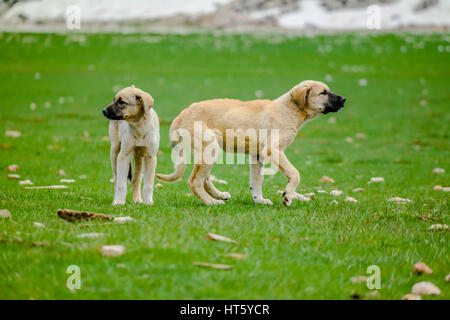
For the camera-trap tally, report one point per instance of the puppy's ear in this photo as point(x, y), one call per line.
point(300, 94)
point(145, 100)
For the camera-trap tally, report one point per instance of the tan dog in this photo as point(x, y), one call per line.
point(283, 117)
point(133, 130)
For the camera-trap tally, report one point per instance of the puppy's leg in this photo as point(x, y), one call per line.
point(213, 191)
point(257, 179)
point(137, 178)
point(278, 159)
point(149, 178)
point(123, 165)
point(115, 147)
point(196, 183)
point(113, 154)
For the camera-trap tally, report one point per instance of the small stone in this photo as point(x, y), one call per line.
point(376, 180)
point(12, 168)
point(362, 82)
point(105, 138)
point(4, 213)
point(358, 279)
point(25, 182)
point(326, 179)
point(350, 199)
point(438, 227)
point(411, 296)
point(38, 225)
point(399, 200)
point(332, 120)
point(335, 202)
point(13, 133)
point(361, 135)
point(441, 188)
point(238, 256)
point(83, 177)
point(113, 250)
point(321, 191)
point(123, 219)
point(336, 193)
point(33, 106)
point(158, 186)
point(13, 176)
point(349, 139)
point(67, 181)
point(91, 235)
point(61, 173)
point(447, 278)
point(421, 267)
point(111, 180)
point(359, 190)
point(425, 288)
point(438, 170)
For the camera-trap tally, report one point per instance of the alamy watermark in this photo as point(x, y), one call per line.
point(73, 282)
point(373, 21)
point(374, 281)
point(73, 17)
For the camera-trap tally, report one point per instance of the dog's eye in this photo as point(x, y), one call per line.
point(324, 93)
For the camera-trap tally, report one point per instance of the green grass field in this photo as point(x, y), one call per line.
point(307, 251)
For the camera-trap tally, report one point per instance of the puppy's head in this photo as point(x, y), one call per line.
point(316, 98)
point(129, 104)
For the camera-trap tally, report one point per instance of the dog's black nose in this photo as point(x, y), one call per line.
point(343, 99)
point(105, 112)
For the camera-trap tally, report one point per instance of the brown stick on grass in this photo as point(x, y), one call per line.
point(77, 216)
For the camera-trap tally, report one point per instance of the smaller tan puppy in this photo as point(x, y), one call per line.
point(280, 119)
point(133, 130)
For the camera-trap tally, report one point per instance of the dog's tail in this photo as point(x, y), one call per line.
point(130, 172)
point(179, 166)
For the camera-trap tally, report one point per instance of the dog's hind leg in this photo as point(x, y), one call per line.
point(149, 179)
point(257, 179)
point(137, 178)
point(196, 183)
point(213, 191)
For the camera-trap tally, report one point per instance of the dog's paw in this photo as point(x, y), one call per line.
point(263, 201)
point(148, 202)
point(118, 203)
point(215, 202)
point(287, 200)
point(225, 196)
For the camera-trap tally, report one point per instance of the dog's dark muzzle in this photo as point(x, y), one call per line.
point(110, 114)
point(335, 104)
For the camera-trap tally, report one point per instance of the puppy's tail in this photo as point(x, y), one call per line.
point(179, 166)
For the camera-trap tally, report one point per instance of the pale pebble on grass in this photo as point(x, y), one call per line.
point(113, 250)
point(425, 288)
point(4, 213)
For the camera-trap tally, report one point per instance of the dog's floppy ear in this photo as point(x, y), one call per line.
point(146, 100)
point(300, 93)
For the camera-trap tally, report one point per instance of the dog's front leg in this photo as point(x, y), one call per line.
point(123, 165)
point(257, 179)
point(278, 158)
point(149, 178)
